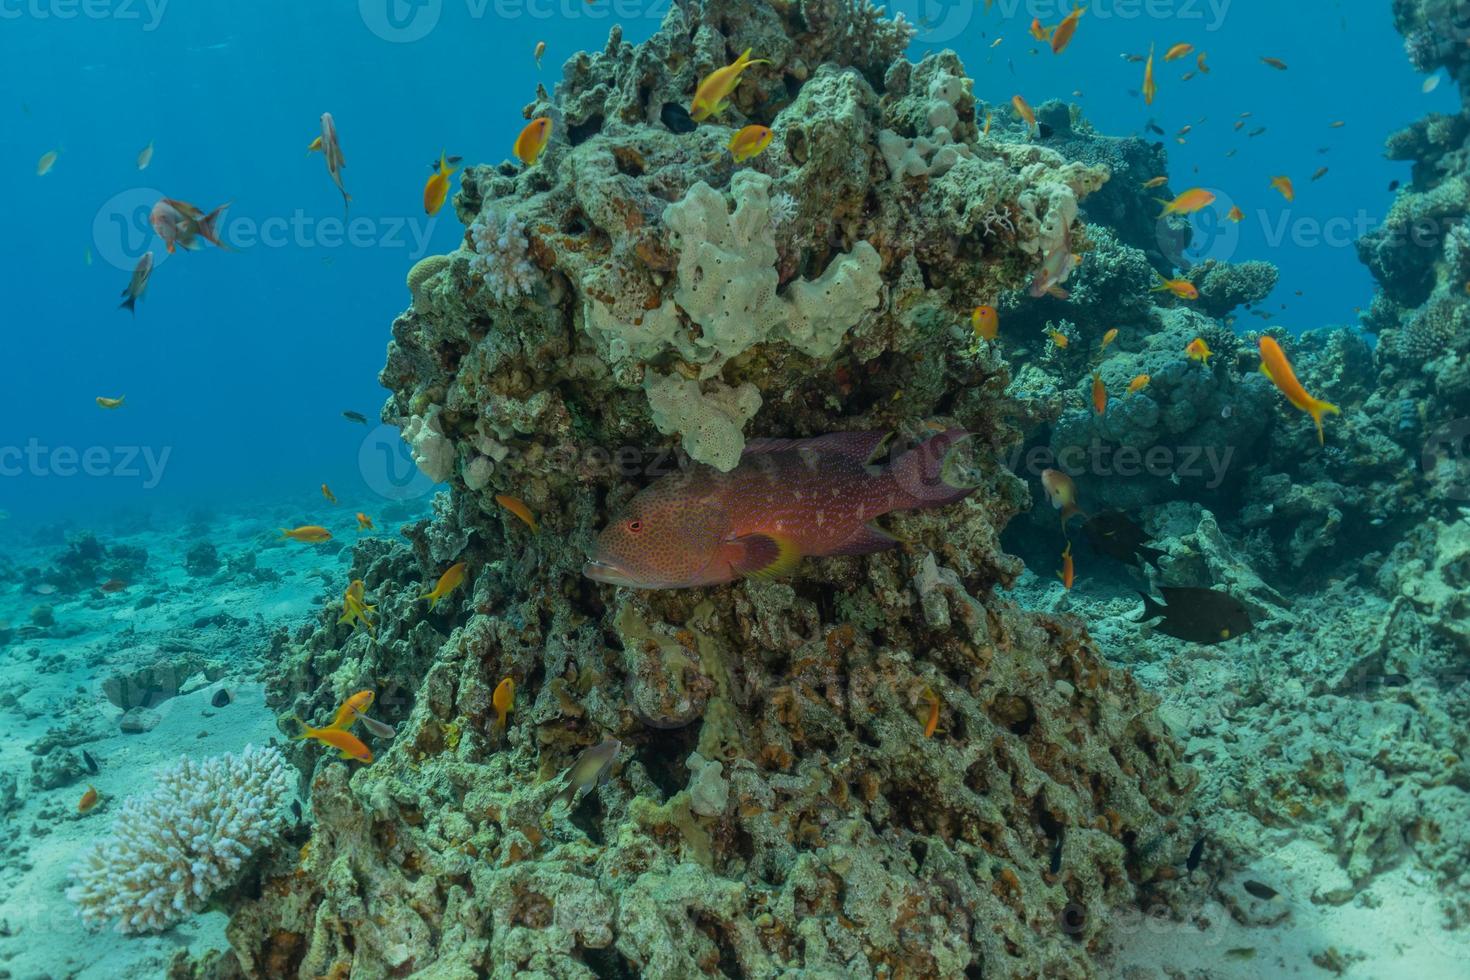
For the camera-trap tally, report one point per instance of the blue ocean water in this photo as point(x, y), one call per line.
point(237, 365)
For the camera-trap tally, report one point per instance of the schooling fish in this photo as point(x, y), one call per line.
point(518, 507)
point(357, 417)
point(145, 156)
point(985, 321)
point(1068, 572)
point(104, 402)
point(328, 494)
point(348, 744)
point(137, 284)
point(47, 161)
point(1062, 493)
point(355, 609)
point(361, 701)
point(1198, 350)
point(1150, 89)
point(364, 522)
point(1099, 394)
point(1062, 35)
point(749, 142)
point(309, 533)
point(1182, 288)
point(1024, 110)
point(1178, 51)
point(540, 50)
point(1277, 368)
point(447, 583)
point(503, 699)
point(437, 189)
point(712, 95)
point(532, 140)
point(786, 499)
point(1197, 615)
point(1138, 383)
point(180, 224)
point(332, 150)
point(378, 728)
point(1192, 200)
point(1113, 534)
point(1283, 185)
point(591, 769)
point(89, 799)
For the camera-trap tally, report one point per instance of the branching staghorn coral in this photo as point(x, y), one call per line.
point(170, 850)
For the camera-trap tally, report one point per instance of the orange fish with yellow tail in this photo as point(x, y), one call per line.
point(1277, 368)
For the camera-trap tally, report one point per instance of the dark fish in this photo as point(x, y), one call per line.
point(1195, 853)
point(1393, 185)
point(221, 698)
point(676, 118)
point(357, 417)
point(1043, 131)
point(296, 810)
point(1155, 128)
point(1197, 615)
point(449, 160)
point(90, 762)
point(1259, 890)
point(1114, 535)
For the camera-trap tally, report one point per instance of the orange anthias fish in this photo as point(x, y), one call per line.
point(353, 706)
point(712, 95)
point(787, 499)
point(104, 402)
point(1153, 182)
point(1178, 51)
point(1284, 185)
point(1235, 214)
point(1038, 31)
point(1149, 88)
point(1198, 350)
point(327, 493)
point(1062, 493)
point(447, 583)
point(931, 722)
point(364, 522)
point(1024, 110)
point(348, 744)
point(180, 224)
point(532, 141)
point(1108, 338)
point(89, 799)
point(437, 189)
point(518, 507)
point(1099, 394)
point(137, 284)
point(1138, 383)
point(1200, 61)
point(503, 699)
point(749, 142)
point(1058, 338)
point(1275, 366)
point(1192, 200)
point(1062, 35)
point(310, 533)
point(986, 322)
point(357, 612)
point(1067, 573)
point(332, 150)
point(1182, 288)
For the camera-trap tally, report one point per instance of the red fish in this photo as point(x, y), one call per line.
point(181, 224)
point(787, 499)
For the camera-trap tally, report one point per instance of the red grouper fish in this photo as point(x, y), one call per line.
point(787, 499)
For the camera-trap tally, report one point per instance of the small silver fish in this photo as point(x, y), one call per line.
point(378, 728)
point(591, 769)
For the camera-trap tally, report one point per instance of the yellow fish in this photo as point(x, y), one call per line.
point(1108, 338)
point(310, 533)
point(327, 492)
point(749, 142)
point(357, 703)
point(106, 402)
point(350, 746)
point(364, 522)
point(1149, 88)
point(533, 139)
point(712, 95)
point(448, 582)
point(503, 699)
point(1200, 351)
point(1192, 200)
point(1138, 383)
point(437, 189)
point(1283, 184)
point(518, 507)
point(1276, 367)
point(1058, 338)
point(355, 609)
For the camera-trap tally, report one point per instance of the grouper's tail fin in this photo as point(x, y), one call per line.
point(936, 473)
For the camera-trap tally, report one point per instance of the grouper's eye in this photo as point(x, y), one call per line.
point(635, 526)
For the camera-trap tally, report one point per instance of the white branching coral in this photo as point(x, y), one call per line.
point(501, 255)
point(783, 208)
point(173, 848)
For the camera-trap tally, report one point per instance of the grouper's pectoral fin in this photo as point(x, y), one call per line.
point(763, 555)
point(867, 539)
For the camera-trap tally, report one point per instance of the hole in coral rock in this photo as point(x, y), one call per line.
point(719, 934)
point(663, 758)
point(587, 817)
point(579, 133)
point(609, 964)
